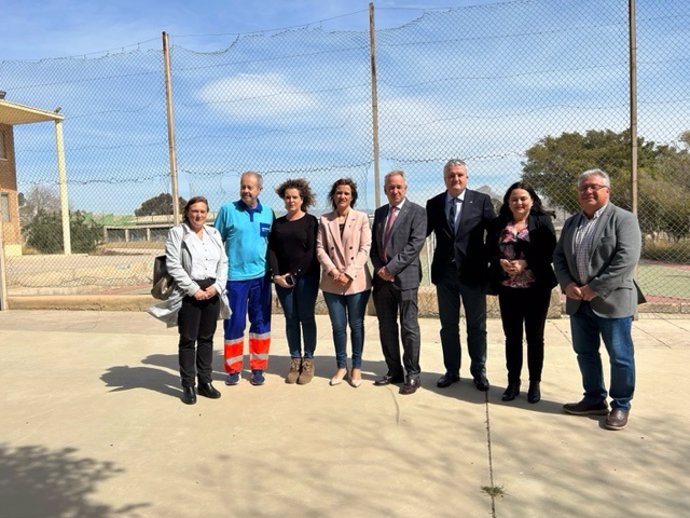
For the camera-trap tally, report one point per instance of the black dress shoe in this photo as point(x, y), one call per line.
point(208, 390)
point(511, 391)
point(388, 379)
point(481, 383)
point(410, 386)
point(447, 380)
point(188, 395)
point(585, 408)
point(533, 393)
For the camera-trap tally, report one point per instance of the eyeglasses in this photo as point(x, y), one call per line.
point(591, 187)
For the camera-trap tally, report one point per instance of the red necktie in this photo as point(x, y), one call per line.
point(389, 227)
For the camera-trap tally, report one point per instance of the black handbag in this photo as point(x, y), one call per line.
point(163, 283)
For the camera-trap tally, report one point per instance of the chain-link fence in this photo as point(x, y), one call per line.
point(539, 89)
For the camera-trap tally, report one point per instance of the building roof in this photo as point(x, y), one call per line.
point(13, 114)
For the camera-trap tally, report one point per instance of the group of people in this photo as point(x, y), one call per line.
point(226, 271)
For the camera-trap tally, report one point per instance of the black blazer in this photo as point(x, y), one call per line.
point(538, 252)
point(466, 248)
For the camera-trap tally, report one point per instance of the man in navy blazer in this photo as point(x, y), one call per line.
point(459, 218)
point(594, 262)
point(399, 234)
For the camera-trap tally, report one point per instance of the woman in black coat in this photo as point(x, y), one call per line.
point(520, 246)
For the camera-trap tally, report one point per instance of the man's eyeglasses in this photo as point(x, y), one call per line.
point(591, 187)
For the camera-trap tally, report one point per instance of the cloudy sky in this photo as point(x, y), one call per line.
point(284, 87)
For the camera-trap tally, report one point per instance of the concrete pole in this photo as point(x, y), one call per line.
point(633, 106)
point(374, 104)
point(62, 182)
point(171, 130)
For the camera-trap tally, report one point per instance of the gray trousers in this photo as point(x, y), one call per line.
point(391, 302)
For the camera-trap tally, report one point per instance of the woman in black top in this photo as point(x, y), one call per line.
point(520, 245)
point(295, 272)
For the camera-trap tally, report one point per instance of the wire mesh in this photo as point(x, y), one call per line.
point(534, 89)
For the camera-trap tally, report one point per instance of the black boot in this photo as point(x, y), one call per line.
point(533, 394)
point(511, 391)
point(208, 390)
point(188, 395)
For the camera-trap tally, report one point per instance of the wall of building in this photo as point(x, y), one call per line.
point(11, 232)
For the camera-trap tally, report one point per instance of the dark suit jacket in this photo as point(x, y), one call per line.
point(611, 268)
point(406, 241)
point(538, 252)
point(466, 248)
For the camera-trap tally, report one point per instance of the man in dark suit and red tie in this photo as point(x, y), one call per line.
point(459, 218)
point(398, 236)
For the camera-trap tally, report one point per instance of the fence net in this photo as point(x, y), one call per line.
point(534, 89)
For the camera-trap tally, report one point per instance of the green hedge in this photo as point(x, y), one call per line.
point(44, 233)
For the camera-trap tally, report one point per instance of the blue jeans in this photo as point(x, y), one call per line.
point(587, 328)
point(298, 306)
point(343, 309)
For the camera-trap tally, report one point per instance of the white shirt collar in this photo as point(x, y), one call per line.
point(399, 205)
point(460, 196)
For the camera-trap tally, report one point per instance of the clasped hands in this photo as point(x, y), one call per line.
point(514, 267)
point(341, 278)
point(573, 291)
point(385, 274)
point(206, 294)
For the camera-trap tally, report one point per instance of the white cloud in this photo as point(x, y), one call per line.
point(255, 97)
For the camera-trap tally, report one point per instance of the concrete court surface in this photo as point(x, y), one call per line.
point(92, 426)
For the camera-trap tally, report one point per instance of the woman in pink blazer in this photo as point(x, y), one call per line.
point(342, 247)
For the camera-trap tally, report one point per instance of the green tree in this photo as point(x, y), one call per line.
point(554, 163)
point(44, 233)
point(665, 194)
point(159, 205)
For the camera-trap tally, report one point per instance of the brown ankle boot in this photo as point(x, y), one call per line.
point(295, 367)
point(307, 371)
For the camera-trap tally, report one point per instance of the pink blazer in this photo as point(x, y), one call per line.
point(349, 254)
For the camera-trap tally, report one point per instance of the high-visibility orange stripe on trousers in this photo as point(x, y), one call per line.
point(234, 349)
point(259, 345)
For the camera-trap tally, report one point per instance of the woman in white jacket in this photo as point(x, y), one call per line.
point(196, 260)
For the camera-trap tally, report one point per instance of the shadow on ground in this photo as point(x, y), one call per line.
point(37, 481)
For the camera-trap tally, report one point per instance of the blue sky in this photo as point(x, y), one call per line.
point(480, 80)
point(38, 31)
point(57, 28)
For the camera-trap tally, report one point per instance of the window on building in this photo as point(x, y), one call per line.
point(5, 206)
point(3, 153)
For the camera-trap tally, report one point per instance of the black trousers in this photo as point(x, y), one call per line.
point(528, 306)
point(196, 322)
point(390, 302)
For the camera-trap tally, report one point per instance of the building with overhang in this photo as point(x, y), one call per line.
point(13, 114)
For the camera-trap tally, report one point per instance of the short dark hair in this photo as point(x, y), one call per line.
point(537, 208)
point(301, 185)
point(192, 201)
point(338, 183)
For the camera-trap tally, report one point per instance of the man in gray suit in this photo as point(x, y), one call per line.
point(594, 262)
point(398, 236)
